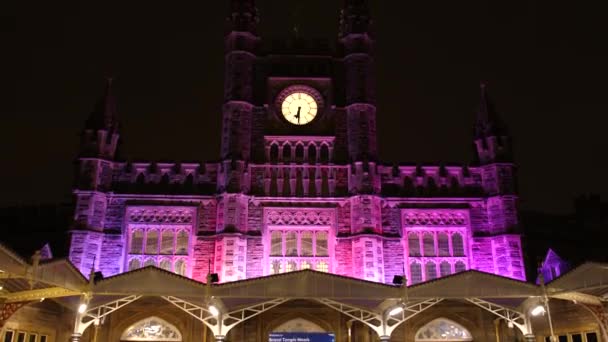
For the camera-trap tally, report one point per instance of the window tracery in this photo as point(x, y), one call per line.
point(151, 329)
point(442, 329)
point(165, 247)
point(292, 250)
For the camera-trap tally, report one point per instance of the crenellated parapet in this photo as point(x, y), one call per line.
point(160, 178)
point(431, 181)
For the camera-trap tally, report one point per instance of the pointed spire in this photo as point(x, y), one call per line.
point(488, 123)
point(104, 115)
point(355, 17)
point(243, 16)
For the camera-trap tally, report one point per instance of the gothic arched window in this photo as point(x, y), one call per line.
point(312, 154)
point(286, 153)
point(414, 244)
point(276, 243)
point(415, 273)
point(182, 243)
point(150, 262)
point(321, 243)
point(299, 153)
point(291, 244)
point(429, 245)
point(180, 267)
point(431, 270)
point(460, 267)
point(274, 153)
point(445, 269)
point(134, 264)
point(165, 265)
point(152, 242)
point(137, 240)
point(324, 155)
point(166, 244)
point(457, 244)
point(442, 329)
point(443, 244)
point(306, 243)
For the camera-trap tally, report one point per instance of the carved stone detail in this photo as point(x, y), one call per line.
point(161, 215)
point(434, 218)
point(300, 217)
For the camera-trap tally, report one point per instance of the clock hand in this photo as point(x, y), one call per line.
point(298, 115)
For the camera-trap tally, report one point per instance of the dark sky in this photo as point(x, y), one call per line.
point(544, 64)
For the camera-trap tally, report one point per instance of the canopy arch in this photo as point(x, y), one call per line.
point(443, 329)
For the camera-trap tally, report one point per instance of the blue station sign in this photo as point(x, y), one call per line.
point(301, 337)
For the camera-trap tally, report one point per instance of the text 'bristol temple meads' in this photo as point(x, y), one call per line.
point(299, 184)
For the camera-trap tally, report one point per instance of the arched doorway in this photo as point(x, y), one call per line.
point(443, 329)
point(152, 329)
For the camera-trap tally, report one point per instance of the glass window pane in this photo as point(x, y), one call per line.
point(445, 268)
point(415, 273)
point(43, 338)
point(275, 267)
point(165, 265)
point(414, 244)
point(429, 245)
point(8, 336)
point(443, 244)
point(134, 264)
point(460, 267)
point(291, 266)
point(21, 337)
point(137, 238)
point(306, 243)
point(152, 242)
point(150, 262)
point(166, 244)
point(291, 244)
point(180, 267)
point(591, 337)
point(304, 265)
point(577, 338)
point(322, 266)
point(457, 245)
point(442, 329)
point(431, 271)
point(32, 337)
point(276, 243)
point(562, 338)
point(321, 244)
point(182, 243)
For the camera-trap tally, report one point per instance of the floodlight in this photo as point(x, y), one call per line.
point(538, 310)
point(213, 310)
point(395, 310)
point(82, 308)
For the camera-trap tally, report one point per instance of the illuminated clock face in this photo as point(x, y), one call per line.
point(299, 108)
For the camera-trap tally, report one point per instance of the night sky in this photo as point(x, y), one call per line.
point(545, 67)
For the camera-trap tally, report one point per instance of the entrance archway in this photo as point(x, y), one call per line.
point(152, 329)
point(443, 329)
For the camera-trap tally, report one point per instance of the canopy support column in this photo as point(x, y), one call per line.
point(219, 322)
point(383, 323)
point(87, 317)
point(512, 316)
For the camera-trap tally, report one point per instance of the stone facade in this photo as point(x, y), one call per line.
point(320, 185)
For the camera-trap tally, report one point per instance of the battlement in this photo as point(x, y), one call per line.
point(174, 178)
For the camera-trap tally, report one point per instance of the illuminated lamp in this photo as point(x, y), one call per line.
point(537, 310)
point(214, 311)
point(82, 308)
point(396, 310)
